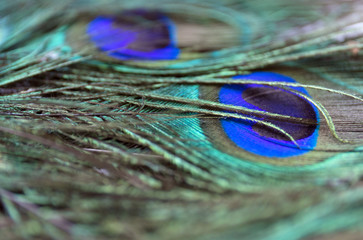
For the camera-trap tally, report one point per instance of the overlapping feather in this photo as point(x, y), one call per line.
point(96, 148)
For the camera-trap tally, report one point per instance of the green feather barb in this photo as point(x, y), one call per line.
point(98, 147)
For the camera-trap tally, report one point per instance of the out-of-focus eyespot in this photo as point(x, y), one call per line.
point(139, 34)
point(152, 35)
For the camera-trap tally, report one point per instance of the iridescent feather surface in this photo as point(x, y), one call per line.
point(181, 120)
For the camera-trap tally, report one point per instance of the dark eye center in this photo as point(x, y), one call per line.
point(152, 32)
point(277, 100)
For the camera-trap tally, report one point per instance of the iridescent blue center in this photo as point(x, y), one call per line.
point(137, 35)
point(262, 140)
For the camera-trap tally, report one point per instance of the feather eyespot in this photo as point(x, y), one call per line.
point(135, 34)
point(259, 139)
point(152, 35)
point(262, 140)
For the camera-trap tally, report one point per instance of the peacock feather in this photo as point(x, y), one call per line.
point(215, 119)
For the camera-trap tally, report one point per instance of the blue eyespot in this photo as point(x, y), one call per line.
point(259, 139)
point(135, 35)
